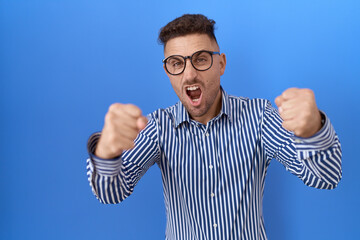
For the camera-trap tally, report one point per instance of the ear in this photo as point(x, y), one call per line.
point(222, 63)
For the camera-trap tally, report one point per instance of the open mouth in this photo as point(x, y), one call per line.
point(194, 94)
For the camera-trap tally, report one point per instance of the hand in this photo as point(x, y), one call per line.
point(297, 107)
point(123, 122)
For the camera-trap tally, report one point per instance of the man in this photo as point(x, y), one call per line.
point(213, 149)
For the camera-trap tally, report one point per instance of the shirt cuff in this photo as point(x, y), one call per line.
point(322, 140)
point(107, 167)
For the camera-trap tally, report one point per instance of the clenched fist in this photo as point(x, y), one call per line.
point(123, 122)
point(297, 107)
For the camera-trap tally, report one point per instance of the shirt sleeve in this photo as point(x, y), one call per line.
point(315, 160)
point(113, 180)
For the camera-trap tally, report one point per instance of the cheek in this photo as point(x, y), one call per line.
point(176, 85)
point(213, 78)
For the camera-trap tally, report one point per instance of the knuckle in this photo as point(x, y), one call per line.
point(133, 109)
point(109, 117)
point(277, 100)
point(290, 90)
point(285, 93)
point(289, 93)
point(115, 107)
point(308, 92)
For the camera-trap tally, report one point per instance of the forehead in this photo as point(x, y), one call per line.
point(188, 44)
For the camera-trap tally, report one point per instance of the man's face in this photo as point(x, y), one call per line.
point(199, 91)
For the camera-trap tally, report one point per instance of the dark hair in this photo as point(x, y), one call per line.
point(187, 24)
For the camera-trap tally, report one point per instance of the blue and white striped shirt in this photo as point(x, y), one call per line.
point(213, 175)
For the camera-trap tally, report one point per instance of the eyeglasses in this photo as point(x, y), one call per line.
point(200, 60)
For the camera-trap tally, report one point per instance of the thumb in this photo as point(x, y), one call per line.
point(141, 122)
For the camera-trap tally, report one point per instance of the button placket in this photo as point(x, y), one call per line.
point(207, 139)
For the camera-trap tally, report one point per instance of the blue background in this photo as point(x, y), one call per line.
point(62, 63)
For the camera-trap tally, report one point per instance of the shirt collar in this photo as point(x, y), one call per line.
point(183, 116)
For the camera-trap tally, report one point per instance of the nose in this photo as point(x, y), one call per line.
point(190, 72)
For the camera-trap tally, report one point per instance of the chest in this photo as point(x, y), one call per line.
point(193, 153)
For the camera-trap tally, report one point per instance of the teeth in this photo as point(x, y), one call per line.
point(192, 88)
point(195, 100)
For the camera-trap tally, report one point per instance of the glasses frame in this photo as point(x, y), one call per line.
point(190, 57)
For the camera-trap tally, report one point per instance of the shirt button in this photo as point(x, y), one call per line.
point(211, 166)
point(212, 195)
point(215, 225)
point(207, 134)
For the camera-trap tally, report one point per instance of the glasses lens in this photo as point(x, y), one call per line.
point(175, 64)
point(202, 60)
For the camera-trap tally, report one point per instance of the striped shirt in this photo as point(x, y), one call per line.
point(213, 175)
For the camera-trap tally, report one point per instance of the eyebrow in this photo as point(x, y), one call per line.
point(190, 54)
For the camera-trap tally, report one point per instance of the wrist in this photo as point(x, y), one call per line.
point(103, 154)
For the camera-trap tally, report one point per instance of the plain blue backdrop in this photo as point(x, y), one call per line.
point(62, 63)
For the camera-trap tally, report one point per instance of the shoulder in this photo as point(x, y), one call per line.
point(247, 109)
point(162, 115)
point(245, 103)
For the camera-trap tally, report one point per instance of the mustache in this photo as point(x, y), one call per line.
point(192, 82)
